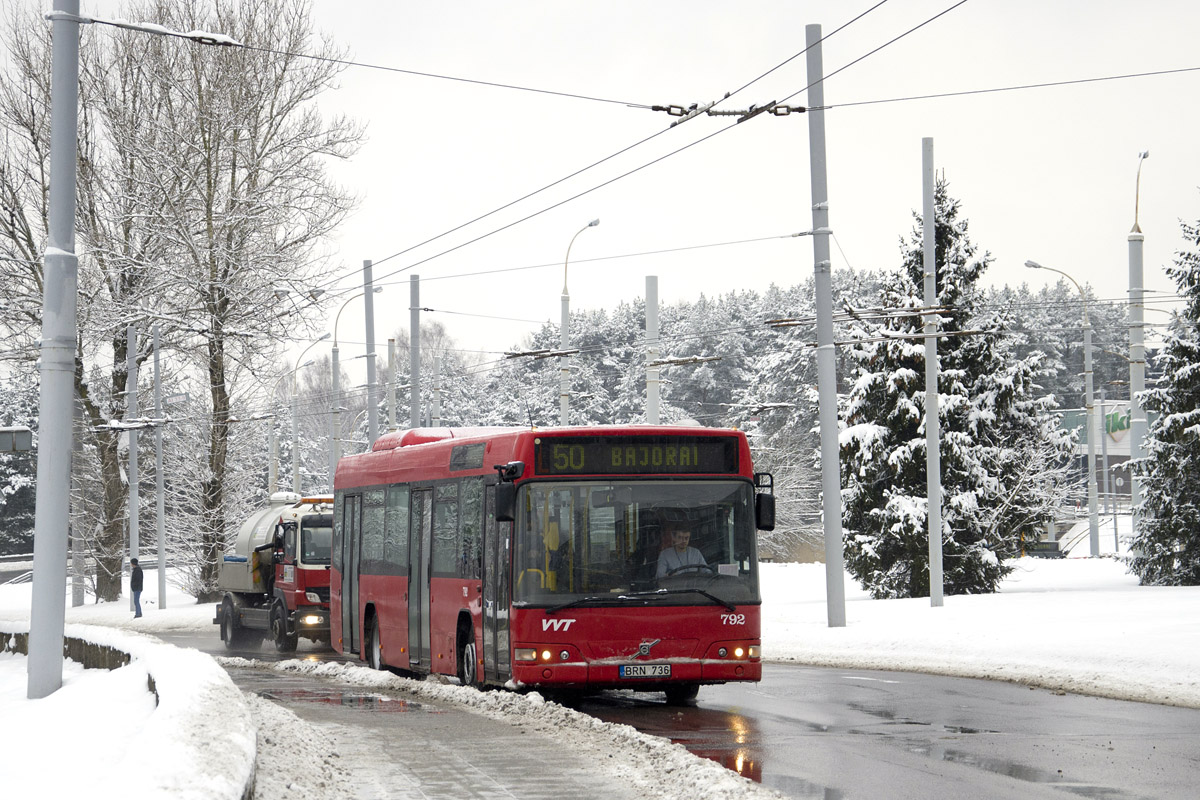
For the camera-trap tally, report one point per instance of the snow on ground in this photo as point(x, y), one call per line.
point(1076, 624)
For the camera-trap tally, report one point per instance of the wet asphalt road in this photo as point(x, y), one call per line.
point(839, 734)
point(836, 733)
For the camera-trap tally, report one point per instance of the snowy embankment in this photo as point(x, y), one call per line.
point(654, 766)
point(104, 735)
point(1078, 625)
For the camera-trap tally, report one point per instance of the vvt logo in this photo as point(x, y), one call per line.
point(557, 624)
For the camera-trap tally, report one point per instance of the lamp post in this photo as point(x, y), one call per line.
point(296, 415)
point(1137, 350)
point(335, 417)
point(1093, 515)
point(564, 375)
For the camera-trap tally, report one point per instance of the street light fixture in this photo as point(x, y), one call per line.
point(1093, 514)
point(1137, 349)
point(295, 413)
point(564, 374)
point(335, 417)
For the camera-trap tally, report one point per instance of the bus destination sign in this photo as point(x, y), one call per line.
point(631, 455)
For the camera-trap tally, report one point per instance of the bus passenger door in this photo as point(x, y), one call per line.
point(350, 562)
point(496, 663)
point(420, 536)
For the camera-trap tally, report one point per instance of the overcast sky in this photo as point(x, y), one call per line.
point(1046, 174)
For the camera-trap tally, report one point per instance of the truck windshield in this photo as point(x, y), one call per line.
point(586, 541)
point(316, 539)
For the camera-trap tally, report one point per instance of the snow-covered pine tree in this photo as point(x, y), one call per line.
point(1001, 453)
point(1167, 547)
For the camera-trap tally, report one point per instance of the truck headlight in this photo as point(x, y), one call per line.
point(312, 597)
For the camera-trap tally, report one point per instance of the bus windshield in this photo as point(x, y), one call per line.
point(316, 539)
point(591, 541)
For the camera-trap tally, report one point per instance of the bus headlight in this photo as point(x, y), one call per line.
point(755, 651)
point(524, 654)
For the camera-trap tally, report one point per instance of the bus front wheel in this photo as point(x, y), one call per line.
point(682, 694)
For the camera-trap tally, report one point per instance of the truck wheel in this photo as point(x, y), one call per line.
point(233, 634)
point(284, 642)
point(375, 648)
point(229, 629)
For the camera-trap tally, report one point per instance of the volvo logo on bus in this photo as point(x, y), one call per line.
point(644, 648)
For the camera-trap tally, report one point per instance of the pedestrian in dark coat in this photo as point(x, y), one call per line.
point(135, 586)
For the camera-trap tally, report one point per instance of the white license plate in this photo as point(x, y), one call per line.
point(646, 671)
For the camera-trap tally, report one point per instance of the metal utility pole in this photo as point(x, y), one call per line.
point(160, 501)
point(1137, 351)
point(372, 386)
point(335, 416)
point(1093, 515)
point(414, 351)
point(78, 556)
point(1110, 498)
point(435, 416)
point(564, 371)
point(652, 350)
point(391, 392)
point(59, 326)
point(131, 413)
point(933, 422)
point(1090, 425)
point(831, 488)
point(273, 451)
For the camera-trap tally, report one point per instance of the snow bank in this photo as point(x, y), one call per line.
point(1077, 625)
point(654, 766)
point(198, 742)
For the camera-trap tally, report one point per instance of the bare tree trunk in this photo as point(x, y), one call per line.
point(108, 547)
point(212, 521)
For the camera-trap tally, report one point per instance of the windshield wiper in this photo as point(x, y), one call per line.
point(709, 595)
point(641, 596)
point(582, 600)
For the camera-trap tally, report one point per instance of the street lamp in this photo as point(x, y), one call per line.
point(335, 417)
point(1093, 515)
point(1137, 349)
point(295, 415)
point(564, 375)
point(300, 364)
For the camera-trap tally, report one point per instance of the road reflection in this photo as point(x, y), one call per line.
point(728, 738)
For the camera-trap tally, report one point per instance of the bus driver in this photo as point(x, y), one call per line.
point(679, 555)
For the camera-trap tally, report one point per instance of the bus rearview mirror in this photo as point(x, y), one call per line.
point(506, 502)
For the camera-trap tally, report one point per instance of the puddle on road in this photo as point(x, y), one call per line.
point(1023, 772)
point(365, 702)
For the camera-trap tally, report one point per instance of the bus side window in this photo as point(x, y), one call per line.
point(470, 538)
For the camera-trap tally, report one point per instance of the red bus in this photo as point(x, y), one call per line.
point(562, 558)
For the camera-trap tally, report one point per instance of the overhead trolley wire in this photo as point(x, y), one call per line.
point(585, 169)
point(997, 89)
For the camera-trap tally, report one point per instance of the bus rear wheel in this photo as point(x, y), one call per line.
point(467, 674)
point(375, 647)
